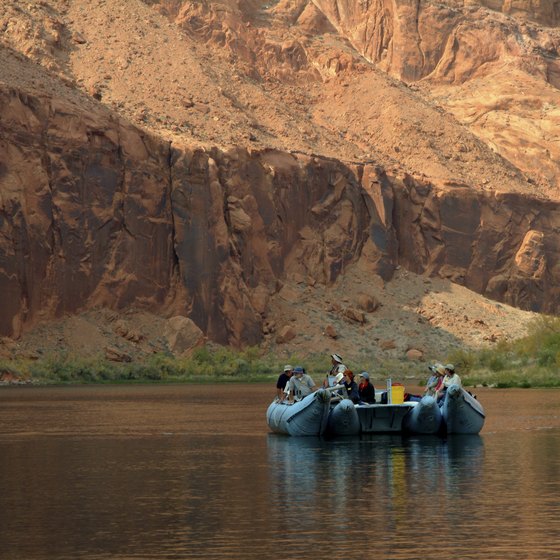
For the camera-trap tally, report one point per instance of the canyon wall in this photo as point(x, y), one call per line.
point(414, 38)
point(97, 213)
point(496, 70)
point(495, 66)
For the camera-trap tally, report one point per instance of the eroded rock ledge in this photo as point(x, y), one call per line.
point(94, 212)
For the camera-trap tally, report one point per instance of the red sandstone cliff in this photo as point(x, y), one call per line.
point(190, 159)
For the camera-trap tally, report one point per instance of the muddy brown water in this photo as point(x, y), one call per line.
point(191, 471)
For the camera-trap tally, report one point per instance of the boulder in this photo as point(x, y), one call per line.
point(355, 315)
point(286, 334)
point(387, 344)
point(367, 303)
point(9, 377)
point(289, 293)
point(182, 334)
point(122, 328)
point(414, 354)
point(115, 354)
point(330, 331)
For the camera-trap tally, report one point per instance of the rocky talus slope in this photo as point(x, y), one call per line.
point(296, 174)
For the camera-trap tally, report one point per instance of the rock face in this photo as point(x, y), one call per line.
point(275, 150)
point(489, 243)
point(499, 76)
point(400, 35)
point(84, 200)
point(97, 213)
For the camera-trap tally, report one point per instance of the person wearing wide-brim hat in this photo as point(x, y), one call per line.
point(432, 385)
point(337, 367)
point(451, 377)
point(283, 380)
point(448, 378)
point(436, 379)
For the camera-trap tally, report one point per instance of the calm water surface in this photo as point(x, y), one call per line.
point(193, 472)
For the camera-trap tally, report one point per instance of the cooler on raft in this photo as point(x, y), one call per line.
point(395, 393)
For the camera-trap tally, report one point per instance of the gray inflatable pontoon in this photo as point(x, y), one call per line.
point(307, 417)
point(343, 419)
point(424, 418)
point(461, 412)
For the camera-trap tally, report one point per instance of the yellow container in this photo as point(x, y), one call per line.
point(397, 393)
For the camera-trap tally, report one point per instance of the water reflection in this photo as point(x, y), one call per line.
point(384, 472)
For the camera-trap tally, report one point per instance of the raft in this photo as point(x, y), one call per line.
point(317, 415)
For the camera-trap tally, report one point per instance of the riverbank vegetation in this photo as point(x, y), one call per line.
point(532, 361)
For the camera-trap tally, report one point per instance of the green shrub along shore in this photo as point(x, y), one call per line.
point(532, 361)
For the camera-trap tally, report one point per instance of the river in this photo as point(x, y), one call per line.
point(191, 471)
